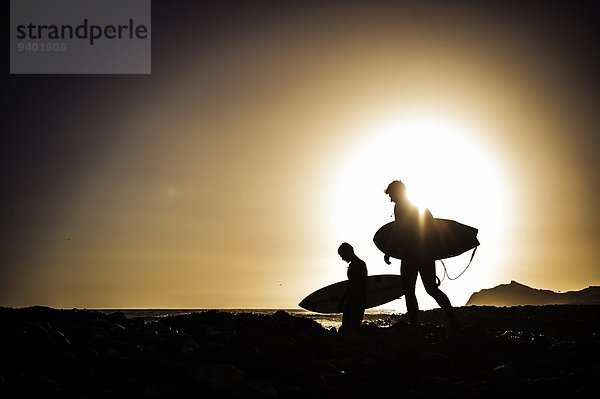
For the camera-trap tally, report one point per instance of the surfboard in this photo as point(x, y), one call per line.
point(445, 239)
point(381, 289)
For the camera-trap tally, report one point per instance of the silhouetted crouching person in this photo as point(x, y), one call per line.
point(412, 226)
point(354, 301)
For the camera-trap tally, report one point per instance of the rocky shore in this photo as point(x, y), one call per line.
point(546, 351)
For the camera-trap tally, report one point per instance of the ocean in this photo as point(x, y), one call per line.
point(381, 317)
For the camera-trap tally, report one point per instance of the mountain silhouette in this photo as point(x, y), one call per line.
point(515, 294)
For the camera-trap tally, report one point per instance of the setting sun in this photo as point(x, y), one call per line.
point(445, 168)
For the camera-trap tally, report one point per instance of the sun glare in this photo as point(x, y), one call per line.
point(445, 169)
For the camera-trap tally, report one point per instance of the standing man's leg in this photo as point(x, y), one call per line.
point(408, 271)
point(428, 278)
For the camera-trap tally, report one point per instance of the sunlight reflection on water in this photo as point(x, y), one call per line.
point(380, 317)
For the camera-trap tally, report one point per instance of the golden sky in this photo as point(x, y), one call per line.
point(265, 137)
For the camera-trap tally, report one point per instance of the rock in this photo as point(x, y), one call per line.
point(549, 386)
point(42, 384)
point(37, 336)
point(174, 372)
point(274, 348)
point(213, 352)
point(164, 391)
point(219, 377)
point(320, 367)
point(61, 340)
point(117, 317)
point(111, 354)
point(434, 364)
point(595, 370)
point(261, 389)
point(354, 351)
point(291, 392)
point(505, 378)
point(55, 363)
point(540, 368)
point(474, 332)
point(304, 357)
point(435, 385)
point(85, 354)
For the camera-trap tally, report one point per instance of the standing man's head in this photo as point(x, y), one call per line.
point(346, 252)
point(396, 190)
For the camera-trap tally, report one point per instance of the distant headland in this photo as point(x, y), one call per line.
point(516, 294)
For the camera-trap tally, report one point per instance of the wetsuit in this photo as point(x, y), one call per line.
point(355, 298)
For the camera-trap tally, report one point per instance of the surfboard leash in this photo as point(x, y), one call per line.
point(461, 273)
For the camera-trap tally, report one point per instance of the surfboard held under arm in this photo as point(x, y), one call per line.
point(445, 239)
point(381, 289)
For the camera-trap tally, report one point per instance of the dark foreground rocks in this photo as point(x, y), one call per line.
point(547, 352)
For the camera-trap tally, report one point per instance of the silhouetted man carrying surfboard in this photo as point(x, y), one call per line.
point(413, 228)
point(354, 302)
